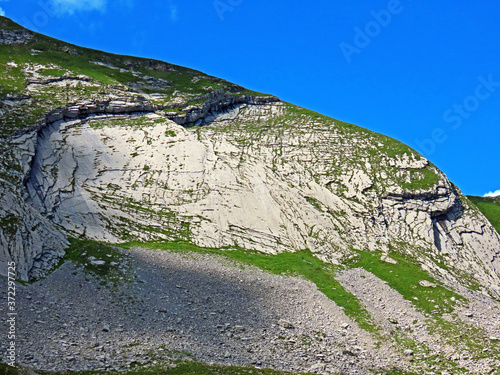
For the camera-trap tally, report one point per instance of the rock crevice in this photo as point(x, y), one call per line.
point(212, 105)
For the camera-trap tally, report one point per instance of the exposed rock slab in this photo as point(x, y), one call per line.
point(150, 178)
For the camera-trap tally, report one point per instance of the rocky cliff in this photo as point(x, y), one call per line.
point(116, 149)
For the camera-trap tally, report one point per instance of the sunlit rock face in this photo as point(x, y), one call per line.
point(257, 176)
point(115, 148)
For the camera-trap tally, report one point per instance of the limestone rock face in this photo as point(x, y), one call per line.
point(123, 149)
point(282, 187)
point(30, 240)
point(27, 238)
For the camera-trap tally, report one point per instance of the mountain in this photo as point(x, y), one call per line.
point(101, 152)
point(490, 207)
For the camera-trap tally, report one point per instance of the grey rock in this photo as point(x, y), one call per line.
point(427, 284)
point(317, 368)
point(60, 147)
point(21, 36)
point(285, 324)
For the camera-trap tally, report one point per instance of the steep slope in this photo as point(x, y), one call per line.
point(490, 207)
point(148, 155)
point(116, 148)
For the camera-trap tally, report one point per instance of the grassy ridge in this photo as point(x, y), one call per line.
point(490, 207)
point(178, 86)
point(107, 72)
point(405, 277)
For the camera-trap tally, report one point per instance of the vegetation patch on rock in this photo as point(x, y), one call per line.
point(490, 207)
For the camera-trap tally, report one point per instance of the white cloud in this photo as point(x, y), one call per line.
point(72, 6)
point(492, 194)
point(2, 12)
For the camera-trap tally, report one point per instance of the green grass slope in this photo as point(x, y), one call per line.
point(490, 207)
point(108, 73)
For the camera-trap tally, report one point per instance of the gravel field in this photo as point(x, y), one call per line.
point(191, 306)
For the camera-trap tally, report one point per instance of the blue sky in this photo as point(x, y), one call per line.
point(426, 73)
